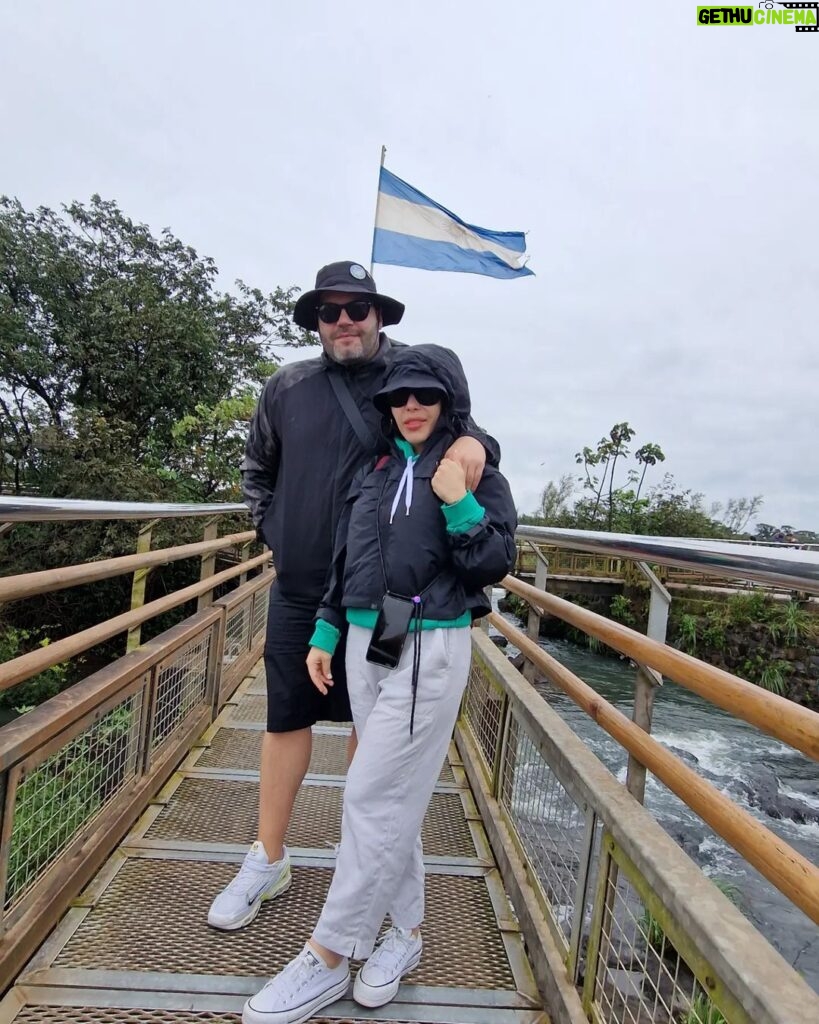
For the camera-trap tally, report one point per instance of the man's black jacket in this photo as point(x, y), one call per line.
point(301, 457)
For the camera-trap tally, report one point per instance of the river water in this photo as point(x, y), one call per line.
point(762, 775)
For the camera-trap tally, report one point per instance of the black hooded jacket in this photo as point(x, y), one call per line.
point(415, 554)
point(301, 457)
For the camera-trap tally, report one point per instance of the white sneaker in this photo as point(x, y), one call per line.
point(305, 986)
point(257, 880)
point(394, 956)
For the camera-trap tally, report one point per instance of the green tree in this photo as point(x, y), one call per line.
point(208, 448)
point(675, 512)
point(738, 512)
point(554, 499)
point(663, 510)
point(124, 374)
point(102, 322)
point(647, 455)
point(766, 532)
point(609, 450)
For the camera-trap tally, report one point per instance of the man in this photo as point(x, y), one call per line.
point(314, 427)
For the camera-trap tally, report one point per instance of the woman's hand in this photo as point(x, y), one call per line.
point(318, 665)
point(470, 455)
point(449, 482)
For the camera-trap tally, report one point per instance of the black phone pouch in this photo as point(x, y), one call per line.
point(391, 629)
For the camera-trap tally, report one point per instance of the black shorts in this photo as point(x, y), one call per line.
point(293, 702)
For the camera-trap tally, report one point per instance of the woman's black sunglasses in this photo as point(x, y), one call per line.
point(357, 310)
point(423, 396)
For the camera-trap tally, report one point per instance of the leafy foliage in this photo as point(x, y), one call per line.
point(714, 628)
point(624, 506)
point(60, 796)
point(34, 691)
point(621, 610)
point(784, 534)
point(703, 1011)
point(110, 336)
point(125, 374)
point(651, 930)
point(71, 787)
point(609, 449)
point(774, 676)
point(745, 609)
point(554, 499)
point(796, 624)
point(688, 633)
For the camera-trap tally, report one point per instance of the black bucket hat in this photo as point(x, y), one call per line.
point(345, 276)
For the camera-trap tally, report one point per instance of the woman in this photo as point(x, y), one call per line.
point(414, 551)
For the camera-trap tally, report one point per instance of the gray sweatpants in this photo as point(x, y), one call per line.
point(380, 866)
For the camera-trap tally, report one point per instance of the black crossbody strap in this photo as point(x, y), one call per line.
point(351, 411)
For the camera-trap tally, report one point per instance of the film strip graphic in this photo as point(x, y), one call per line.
point(802, 7)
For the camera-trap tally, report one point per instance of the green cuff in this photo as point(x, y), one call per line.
point(325, 636)
point(464, 514)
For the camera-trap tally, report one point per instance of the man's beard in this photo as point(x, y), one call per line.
point(362, 349)
point(346, 353)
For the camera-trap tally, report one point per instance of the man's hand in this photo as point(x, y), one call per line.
point(449, 482)
point(470, 455)
point(318, 665)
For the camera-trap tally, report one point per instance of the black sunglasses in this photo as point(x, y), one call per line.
point(357, 310)
point(423, 396)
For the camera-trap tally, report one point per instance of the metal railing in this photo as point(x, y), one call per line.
point(76, 771)
point(611, 568)
point(14, 588)
point(792, 568)
point(607, 901)
point(42, 510)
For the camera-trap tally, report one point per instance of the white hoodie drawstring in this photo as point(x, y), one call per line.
point(404, 484)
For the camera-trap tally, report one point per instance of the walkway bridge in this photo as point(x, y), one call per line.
point(127, 801)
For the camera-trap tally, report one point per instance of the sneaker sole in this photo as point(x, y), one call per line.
point(300, 1014)
point(253, 909)
point(367, 995)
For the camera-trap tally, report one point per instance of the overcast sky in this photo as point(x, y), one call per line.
point(667, 175)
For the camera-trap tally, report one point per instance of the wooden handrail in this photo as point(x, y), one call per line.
point(784, 867)
point(15, 588)
point(27, 665)
point(778, 717)
point(25, 734)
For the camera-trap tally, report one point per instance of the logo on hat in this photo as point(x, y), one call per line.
point(358, 272)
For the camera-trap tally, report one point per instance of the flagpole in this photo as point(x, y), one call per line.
point(377, 201)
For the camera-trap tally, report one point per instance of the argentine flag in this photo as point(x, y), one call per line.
point(412, 230)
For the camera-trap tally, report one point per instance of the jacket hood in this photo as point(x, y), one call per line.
point(430, 365)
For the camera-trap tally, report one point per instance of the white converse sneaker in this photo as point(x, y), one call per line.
point(394, 956)
point(257, 881)
point(305, 986)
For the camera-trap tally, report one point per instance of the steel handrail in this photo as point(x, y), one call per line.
point(793, 568)
point(40, 510)
point(790, 568)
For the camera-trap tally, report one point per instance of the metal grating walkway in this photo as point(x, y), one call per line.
point(136, 949)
